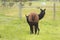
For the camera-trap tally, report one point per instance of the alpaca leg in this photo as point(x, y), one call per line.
point(36, 27)
point(31, 29)
point(38, 30)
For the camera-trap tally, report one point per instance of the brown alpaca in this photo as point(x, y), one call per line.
point(33, 21)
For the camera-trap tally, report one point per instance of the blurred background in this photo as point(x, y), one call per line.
point(13, 25)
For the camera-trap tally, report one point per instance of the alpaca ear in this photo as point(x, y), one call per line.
point(44, 9)
point(40, 9)
point(25, 15)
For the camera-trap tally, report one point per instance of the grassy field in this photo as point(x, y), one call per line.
point(14, 28)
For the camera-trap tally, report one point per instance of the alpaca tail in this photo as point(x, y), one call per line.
point(33, 18)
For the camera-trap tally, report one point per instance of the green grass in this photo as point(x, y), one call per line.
point(14, 28)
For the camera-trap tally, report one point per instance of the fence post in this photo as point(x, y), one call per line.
point(20, 10)
point(54, 10)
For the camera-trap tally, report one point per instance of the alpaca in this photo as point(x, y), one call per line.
point(34, 22)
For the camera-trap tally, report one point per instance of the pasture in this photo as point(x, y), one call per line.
point(14, 28)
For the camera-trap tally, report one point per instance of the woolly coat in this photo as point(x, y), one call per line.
point(33, 17)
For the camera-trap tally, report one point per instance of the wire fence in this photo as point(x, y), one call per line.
point(36, 5)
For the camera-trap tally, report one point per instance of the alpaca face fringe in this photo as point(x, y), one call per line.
point(33, 17)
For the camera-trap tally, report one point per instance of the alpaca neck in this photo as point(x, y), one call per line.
point(41, 15)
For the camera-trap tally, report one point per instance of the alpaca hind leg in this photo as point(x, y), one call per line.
point(38, 31)
point(31, 29)
point(36, 27)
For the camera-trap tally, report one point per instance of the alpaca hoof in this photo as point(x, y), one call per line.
point(31, 33)
point(38, 34)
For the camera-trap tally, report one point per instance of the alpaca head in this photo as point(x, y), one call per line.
point(42, 13)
